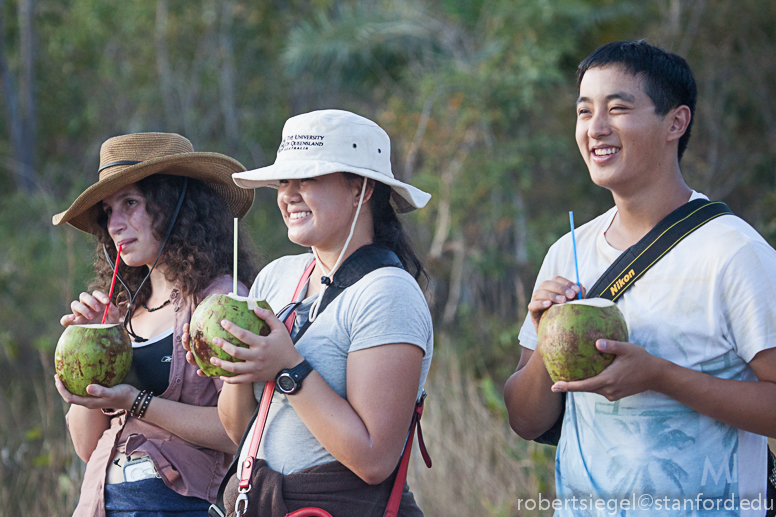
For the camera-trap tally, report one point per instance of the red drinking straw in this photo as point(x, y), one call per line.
point(112, 284)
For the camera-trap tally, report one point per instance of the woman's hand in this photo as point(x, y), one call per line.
point(121, 396)
point(186, 341)
point(265, 355)
point(89, 308)
point(557, 290)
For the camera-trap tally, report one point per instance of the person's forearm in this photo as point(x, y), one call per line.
point(236, 406)
point(742, 404)
point(195, 424)
point(372, 456)
point(533, 408)
point(86, 427)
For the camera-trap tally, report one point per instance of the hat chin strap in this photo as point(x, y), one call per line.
point(327, 275)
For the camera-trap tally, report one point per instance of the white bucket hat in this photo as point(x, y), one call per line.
point(328, 141)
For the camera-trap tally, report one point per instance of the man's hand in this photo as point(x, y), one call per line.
point(557, 290)
point(633, 371)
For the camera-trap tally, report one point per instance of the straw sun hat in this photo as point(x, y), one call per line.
point(327, 141)
point(129, 158)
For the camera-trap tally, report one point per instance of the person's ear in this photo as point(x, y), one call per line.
point(370, 188)
point(680, 120)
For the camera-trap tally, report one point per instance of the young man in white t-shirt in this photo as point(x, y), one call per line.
point(677, 424)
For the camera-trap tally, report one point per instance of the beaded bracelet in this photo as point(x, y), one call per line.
point(137, 402)
point(147, 401)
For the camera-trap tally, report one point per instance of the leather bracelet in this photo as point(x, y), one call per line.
point(147, 401)
point(137, 403)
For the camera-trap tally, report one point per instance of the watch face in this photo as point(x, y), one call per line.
point(286, 383)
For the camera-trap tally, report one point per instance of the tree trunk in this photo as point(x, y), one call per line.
point(27, 88)
point(228, 107)
point(456, 280)
point(448, 177)
point(521, 250)
point(163, 66)
point(20, 99)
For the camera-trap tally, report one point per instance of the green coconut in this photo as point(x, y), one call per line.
point(567, 336)
point(92, 354)
point(206, 325)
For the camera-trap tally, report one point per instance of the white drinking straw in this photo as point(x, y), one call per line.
point(234, 280)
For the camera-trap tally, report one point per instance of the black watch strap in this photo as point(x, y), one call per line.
point(289, 380)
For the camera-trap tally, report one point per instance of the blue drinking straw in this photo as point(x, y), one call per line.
point(574, 244)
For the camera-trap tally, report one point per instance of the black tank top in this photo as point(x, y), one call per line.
point(151, 363)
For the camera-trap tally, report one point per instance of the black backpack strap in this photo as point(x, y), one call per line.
point(636, 260)
point(362, 262)
point(359, 264)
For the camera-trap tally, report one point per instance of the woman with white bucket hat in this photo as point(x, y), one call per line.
point(350, 372)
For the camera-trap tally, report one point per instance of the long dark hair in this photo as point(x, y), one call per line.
point(389, 231)
point(199, 248)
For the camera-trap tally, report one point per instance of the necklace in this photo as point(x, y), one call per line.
point(165, 304)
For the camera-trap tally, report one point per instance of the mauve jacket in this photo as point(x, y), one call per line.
point(188, 469)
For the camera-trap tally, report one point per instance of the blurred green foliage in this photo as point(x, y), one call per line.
point(477, 95)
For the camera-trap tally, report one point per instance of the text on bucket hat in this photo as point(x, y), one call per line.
point(127, 159)
point(327, 141)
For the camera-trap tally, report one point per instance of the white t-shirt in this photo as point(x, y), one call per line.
point(385, 306)
point(708, 305)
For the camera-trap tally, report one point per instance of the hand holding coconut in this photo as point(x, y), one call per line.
point(89, 354)
point(263, 357)
point(118, 397)
point(206, 333)
point(557, 290)
point(590, 357)
point(219, 356)
point(634, 370)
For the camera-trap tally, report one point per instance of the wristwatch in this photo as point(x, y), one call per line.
point(289, 380)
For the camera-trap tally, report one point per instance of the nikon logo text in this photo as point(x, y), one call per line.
point(619, 284)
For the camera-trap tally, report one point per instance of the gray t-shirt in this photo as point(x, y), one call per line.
point(385, 306)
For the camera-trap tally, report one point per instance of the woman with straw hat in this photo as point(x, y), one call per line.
point(155, 444)
point(346, 388)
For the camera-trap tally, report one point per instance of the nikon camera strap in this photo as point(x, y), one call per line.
point(636, 260)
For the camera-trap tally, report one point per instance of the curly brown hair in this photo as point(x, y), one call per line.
point(199, 248)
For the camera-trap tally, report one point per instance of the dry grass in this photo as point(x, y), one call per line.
point(40, 472)
point(480, 467)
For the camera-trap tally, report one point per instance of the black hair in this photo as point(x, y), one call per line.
point(389, 231)
point(668, 80)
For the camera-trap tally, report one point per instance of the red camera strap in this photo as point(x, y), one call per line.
point(266, 398)
point(392, 509)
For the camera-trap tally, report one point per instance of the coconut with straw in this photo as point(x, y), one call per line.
point(568, 332)
point(94, 354)
point(206, 323)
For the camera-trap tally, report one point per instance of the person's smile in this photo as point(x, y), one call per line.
point(299, 216)
point(601, 154)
